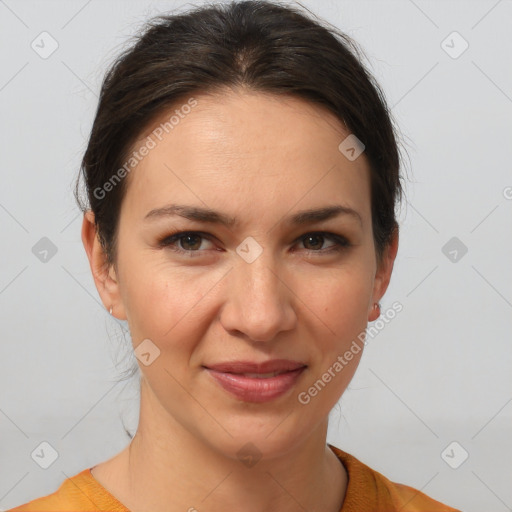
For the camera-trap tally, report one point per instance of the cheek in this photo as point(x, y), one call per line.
point(341, 303)
point(340, 299)
point(162, 300)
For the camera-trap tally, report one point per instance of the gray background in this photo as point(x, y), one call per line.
point(437, 373)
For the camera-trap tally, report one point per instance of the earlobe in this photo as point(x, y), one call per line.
point(374, 312)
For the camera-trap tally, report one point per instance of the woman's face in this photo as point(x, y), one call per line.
point(265, 287)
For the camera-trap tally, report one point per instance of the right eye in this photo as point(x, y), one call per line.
point(190, 242)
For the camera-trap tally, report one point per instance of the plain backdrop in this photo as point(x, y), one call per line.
point(430, 405)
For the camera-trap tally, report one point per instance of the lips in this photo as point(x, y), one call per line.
point(257, 382)
point(272, 367)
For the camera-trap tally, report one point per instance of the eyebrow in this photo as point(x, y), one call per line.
point(200, 214)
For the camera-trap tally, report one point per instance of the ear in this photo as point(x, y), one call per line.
point(104, 275)
point(383, 275)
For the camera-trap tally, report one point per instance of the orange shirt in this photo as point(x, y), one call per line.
point(367, 491)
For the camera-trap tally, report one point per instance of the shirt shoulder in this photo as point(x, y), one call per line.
point(368, 490)
point(80, 493)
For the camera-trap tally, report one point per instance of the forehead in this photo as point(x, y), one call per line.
point(246, 148)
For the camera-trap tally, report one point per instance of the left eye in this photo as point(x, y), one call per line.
point(190, 242)
point(318, 239)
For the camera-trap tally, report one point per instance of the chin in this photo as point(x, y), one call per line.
point(264, 436)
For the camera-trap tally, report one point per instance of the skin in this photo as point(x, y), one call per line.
point(258, 158)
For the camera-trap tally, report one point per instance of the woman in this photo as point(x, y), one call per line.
point(242, 175)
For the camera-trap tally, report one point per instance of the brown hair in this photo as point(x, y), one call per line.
point(259, 45)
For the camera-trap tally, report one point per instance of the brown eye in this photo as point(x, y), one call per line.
point(314, 241)
point(190, 242)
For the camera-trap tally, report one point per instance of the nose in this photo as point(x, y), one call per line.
point(259, 300)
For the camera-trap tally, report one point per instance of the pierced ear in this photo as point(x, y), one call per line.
point(383, 274)
point(104, 275)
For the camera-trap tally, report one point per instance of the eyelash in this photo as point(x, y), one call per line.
point(341, 243)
